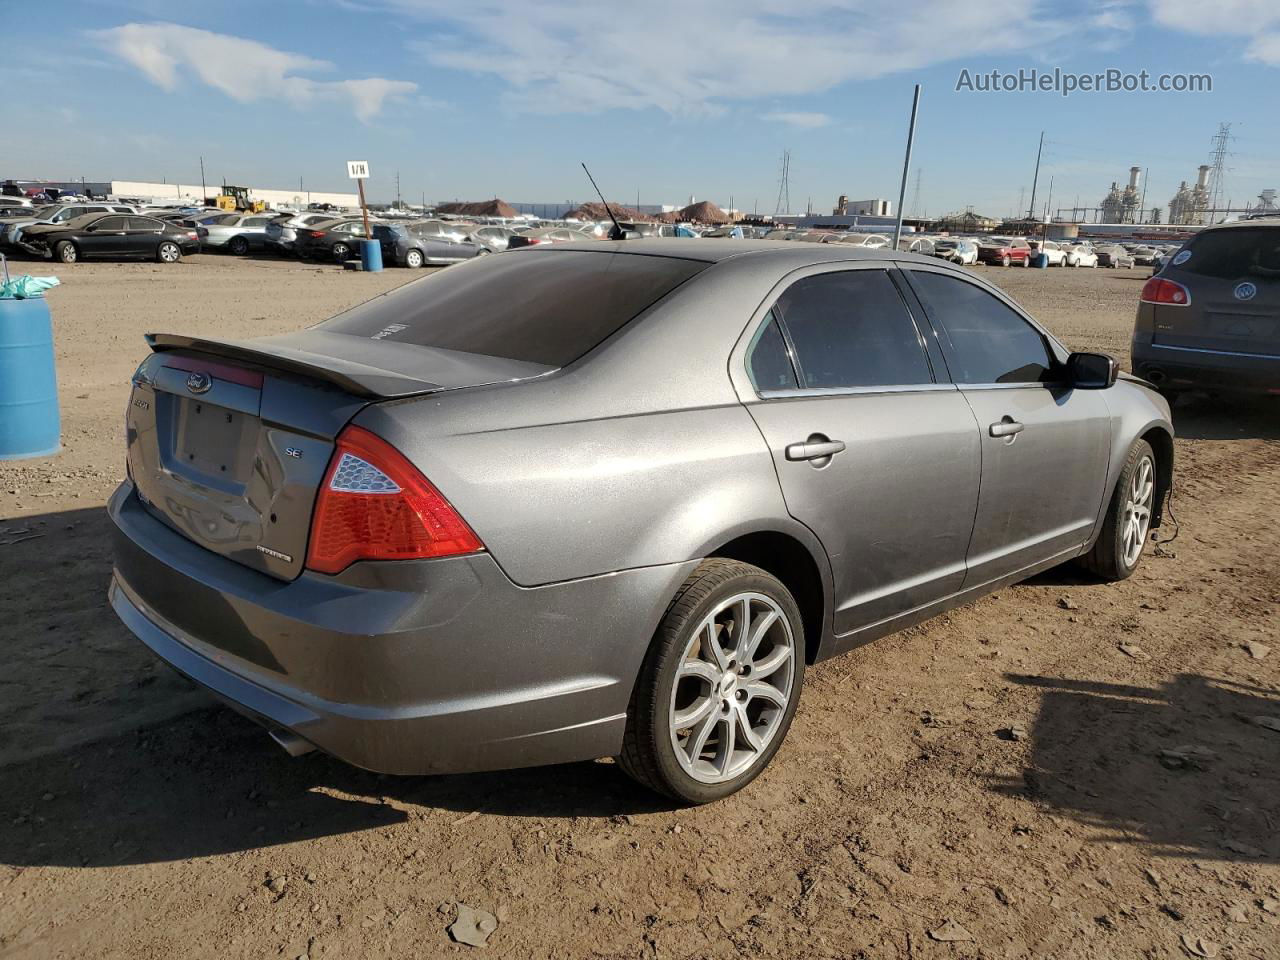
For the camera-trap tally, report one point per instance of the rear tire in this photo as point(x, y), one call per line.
point(238, 246)
point(707, 685)
point(1126, 526)
point(341, 252)
point(168, 252)
point(66, 251)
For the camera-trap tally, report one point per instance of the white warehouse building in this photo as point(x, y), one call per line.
point(191, 193)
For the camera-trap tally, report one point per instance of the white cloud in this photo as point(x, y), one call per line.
point(244, 70)
point(804, 121)
point(1257, 20)
point(558, 56)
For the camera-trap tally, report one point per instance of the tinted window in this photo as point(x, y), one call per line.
point(852, 329)
point(767, 359)
point(144, 223)
point(546, 308)
point(1235, 252)
point(109, 223)
point(257, 222)
point(991, 343)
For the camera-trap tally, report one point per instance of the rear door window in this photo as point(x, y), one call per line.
point(852, 329)
point(548, 308)
point(990, 341)
point(1235, 252)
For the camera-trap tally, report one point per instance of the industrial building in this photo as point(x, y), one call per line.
point(862, 208)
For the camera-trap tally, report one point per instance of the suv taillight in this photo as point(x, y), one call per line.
point(1160, 290)
point(375, 505)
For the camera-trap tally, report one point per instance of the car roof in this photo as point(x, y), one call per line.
point(692, 248)
point(1262, 224)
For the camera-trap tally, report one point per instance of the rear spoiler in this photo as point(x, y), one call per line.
point(363, 367)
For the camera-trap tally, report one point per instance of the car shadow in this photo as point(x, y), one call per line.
point(212, 783)
point(1202, 416)
point(1183, 767)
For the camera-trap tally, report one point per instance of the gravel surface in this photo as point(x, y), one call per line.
point(1008, 780)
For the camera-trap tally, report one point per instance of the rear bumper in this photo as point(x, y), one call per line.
point(437, 666)
point(1190, 368)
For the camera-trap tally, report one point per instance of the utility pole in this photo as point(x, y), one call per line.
point(915, 199)
point(204, 191)
point(906, 165)
point(1218, 158)
point(1031, 211)
point(397, 189)
point(784, 186)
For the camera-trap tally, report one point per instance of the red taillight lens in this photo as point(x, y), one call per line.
point(1160, 290)
point(375, 505)
point(317, 234)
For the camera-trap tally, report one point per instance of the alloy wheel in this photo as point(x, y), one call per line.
point(169, 252)
point(732, 688)
point(1137, 511)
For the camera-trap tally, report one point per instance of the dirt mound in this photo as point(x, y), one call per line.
point(596, 211)
point(479, 208)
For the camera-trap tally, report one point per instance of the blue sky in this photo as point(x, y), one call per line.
point(664, 98)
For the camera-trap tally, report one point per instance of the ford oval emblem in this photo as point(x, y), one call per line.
point(199, 382)
point(1245, 291)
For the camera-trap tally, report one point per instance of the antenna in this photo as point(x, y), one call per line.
point(617, 233)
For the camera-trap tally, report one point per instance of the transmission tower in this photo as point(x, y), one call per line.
point(784, 186)
point(1218, 163)
point(915, 197)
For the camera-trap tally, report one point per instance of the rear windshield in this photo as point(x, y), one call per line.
point(1237, 252)
point(547, 307)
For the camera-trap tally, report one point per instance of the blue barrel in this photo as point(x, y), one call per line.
point(1040, 260)
point(370, 256)
point(29, 422)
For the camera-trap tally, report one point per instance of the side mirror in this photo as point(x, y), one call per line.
point(1092, 371)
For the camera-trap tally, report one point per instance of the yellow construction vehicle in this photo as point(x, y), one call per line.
point(237, 199)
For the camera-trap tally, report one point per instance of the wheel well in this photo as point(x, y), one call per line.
point(788, 560)
point(1162, 446)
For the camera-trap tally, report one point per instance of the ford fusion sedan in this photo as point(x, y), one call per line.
point(610, 499)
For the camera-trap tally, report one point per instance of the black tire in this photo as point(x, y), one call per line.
point(168, 252)
point(238, 246)
point(341, 252)
point(483, 252)
point(648, 754)
point(414, 259)
point(66, 251)
point(1107, 558)
point(1004, 261)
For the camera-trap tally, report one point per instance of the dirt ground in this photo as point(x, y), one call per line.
point(901, 819)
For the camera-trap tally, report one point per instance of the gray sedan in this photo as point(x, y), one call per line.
point(239, 233)
point(610, 499)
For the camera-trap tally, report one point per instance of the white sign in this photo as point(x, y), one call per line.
point(358, 169)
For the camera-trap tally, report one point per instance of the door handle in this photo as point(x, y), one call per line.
point(1007, 427)
point(814, 449)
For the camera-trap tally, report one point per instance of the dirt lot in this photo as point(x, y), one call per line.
point(139, 820)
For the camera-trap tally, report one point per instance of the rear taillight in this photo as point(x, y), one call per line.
point(1160, 290)
point(317, 234)
point(376, 505)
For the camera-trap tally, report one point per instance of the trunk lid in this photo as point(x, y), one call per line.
point(1233, 277)
point(228, 441)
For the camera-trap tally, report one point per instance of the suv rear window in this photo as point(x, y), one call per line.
point(543, 307)
point(1235, 252)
